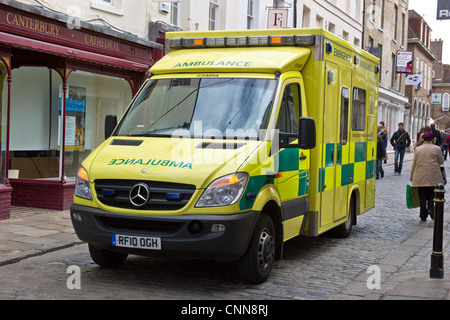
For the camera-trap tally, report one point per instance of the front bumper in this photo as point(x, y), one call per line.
point(98, 226)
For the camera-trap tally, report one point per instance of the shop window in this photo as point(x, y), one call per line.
point(359, 110)
point(90, 98)
point(36, 122)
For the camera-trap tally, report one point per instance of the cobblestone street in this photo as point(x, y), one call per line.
point(389, 236)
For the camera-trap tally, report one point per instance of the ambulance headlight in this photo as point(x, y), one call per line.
point(82, 187)
point(224, 191)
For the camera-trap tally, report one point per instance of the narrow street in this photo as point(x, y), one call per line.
point(389, 236)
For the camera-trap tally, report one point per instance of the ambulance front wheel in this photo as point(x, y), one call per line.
point(255, 266)
point(106, 258)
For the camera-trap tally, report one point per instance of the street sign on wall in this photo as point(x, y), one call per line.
point(443, 10)
point(436, 98)
point(413, 79)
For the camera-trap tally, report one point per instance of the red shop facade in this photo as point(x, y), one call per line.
point(57, 84)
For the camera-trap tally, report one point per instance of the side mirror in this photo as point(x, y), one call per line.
point(307, 133)
point(110, 125)
point(306, 136)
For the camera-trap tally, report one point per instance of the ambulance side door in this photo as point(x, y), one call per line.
point(292, 162)
point(343, 178)
point(329, 145)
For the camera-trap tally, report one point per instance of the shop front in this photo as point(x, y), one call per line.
point(57, 84)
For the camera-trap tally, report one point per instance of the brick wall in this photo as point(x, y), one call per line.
point(32, 193)
point(5, 202)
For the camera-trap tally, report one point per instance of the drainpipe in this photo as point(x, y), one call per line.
point(295, 13)
point(364, 24)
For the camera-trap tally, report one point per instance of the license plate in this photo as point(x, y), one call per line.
point(119, 240)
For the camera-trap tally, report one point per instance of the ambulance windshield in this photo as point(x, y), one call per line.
point(201, 108)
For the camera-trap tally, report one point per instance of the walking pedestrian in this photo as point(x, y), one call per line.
point(381, 150)
point(447, 140)
point(383, 135)
point(400, 141)
point(437, 135)
point(385, 129)
point(426, 174)
point(444, 142)
point(420, 135)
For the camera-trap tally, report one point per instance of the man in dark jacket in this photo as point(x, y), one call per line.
point(400, 141)
point(437, 135)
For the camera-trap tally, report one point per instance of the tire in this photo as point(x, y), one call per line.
point(106, 258)
point(344, 230)
point(255, 266)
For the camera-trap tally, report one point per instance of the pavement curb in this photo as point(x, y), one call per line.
point(17, 257)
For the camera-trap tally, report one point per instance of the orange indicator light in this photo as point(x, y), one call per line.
point(276, 40)
point(198, 42)
point(82, 173)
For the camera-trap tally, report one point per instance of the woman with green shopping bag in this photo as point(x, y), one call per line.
point(426, 173)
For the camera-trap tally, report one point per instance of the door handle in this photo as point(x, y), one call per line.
point(303, 157)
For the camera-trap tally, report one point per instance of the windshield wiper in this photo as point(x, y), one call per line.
point(184, 99)
point(243, 105)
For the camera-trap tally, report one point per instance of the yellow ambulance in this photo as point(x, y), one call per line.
point(237, 142)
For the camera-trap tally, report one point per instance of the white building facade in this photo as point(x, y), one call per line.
point(341, 17)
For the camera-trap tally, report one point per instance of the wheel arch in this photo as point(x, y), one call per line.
point(273, 210)
point(355, 196)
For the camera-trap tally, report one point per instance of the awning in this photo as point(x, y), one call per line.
point(31, 44)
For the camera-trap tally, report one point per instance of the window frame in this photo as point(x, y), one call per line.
point(359, 105)
point(297, 105)
point(343, 123)
point(213, 22)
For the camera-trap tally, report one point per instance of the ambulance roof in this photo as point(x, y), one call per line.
point(240, 59)
point(249, 51)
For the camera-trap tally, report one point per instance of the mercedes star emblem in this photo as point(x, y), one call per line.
point(139, 195)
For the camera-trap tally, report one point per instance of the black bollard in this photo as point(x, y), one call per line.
point(437, 256)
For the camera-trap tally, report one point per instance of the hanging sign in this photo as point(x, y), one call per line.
point(277, 18)
point(413, 79)
point(404, 61)
point(443, 10)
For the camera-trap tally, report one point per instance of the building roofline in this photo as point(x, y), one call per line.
point(59, 16)
point(420, 43)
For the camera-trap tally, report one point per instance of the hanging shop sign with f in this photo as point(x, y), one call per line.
point(443, 10)
point(277, 18)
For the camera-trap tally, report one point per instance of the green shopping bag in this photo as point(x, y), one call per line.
point(412, 197)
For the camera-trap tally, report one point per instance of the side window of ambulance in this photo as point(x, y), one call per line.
point(345, 96)
point(359, 109)
point(289, 109)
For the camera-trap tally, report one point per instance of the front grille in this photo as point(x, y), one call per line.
point(116, 193)
point(155, 227)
